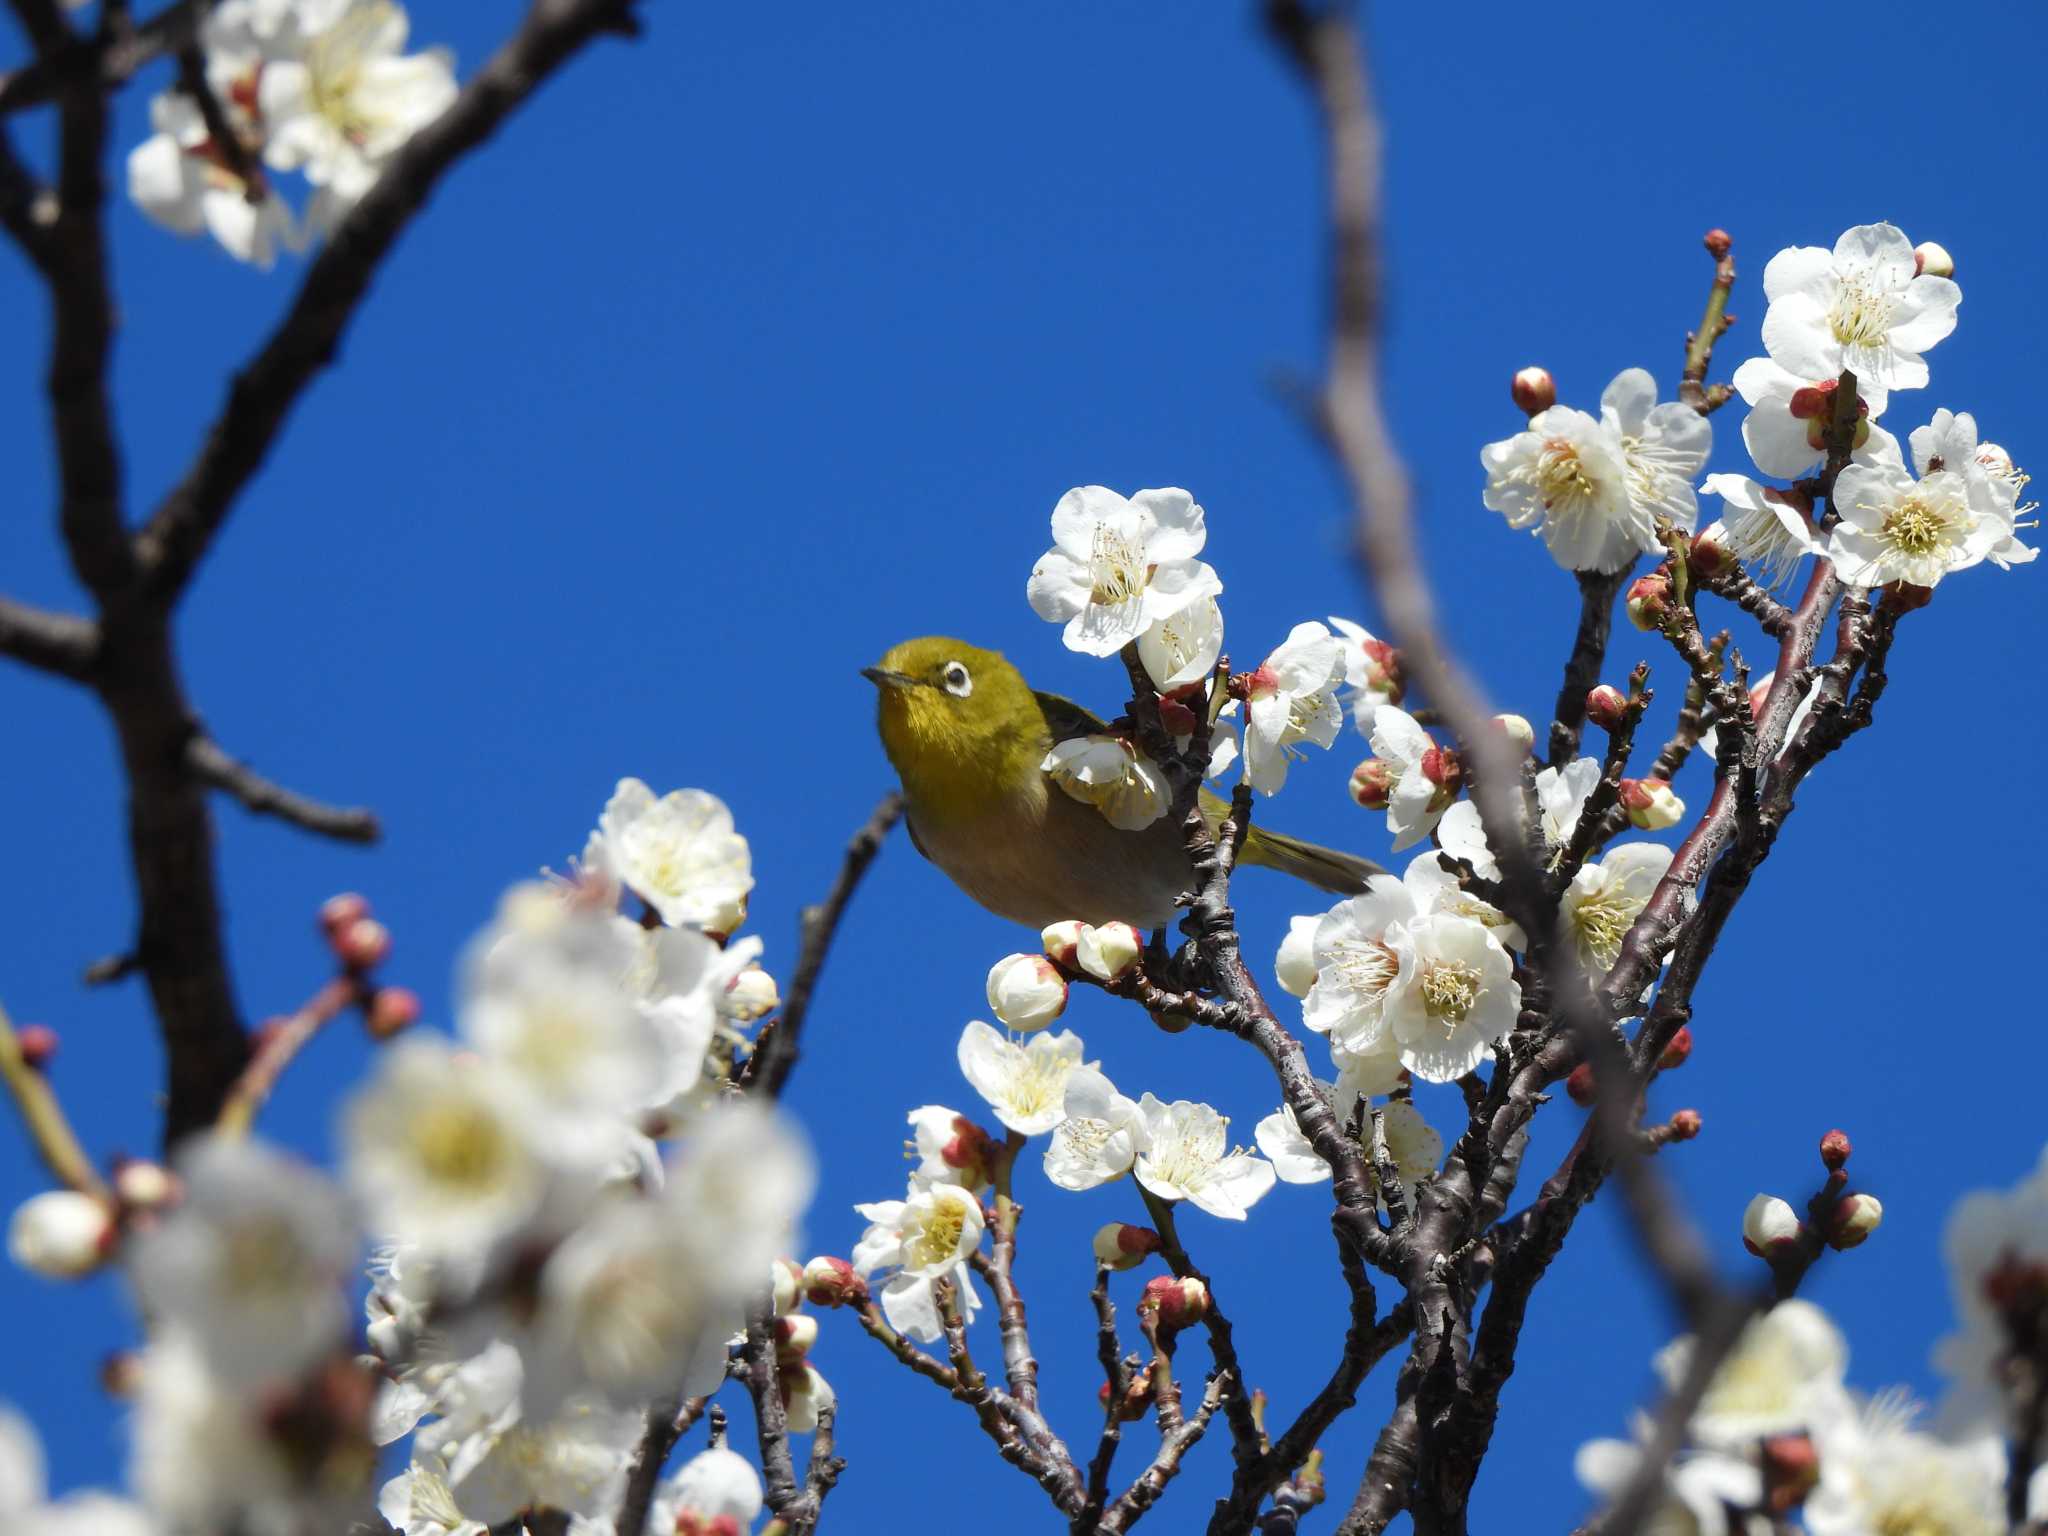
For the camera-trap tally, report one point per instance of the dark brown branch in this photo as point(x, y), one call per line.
point(775, 1051)
point(1229, 1372)
point(789, 1502)
point(233, 149)
point(57, 643)
point(668, 1420)
point(307, 340)
point(110, 63)
point(1174, 1445)
point(1597, 591)
point(214, 768)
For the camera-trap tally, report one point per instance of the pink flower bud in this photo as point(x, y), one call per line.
point(363, 945)
point(1649, 600)
point(1813, 402)
point(1110, 952)
point(1606, 706)
point(1517, 730)
point(1535, 391)
point(1372, 784)
point(1791, 1469)
point(1852, 1220)
point(795, 1334)
point(969, 1151)
point(60, 1234)
point(1651, 804)
point(38, 1044)
point(830, 1282)
point(1709, 553)
point(1384, 673)
point(1026, 992)
point(343, 911)
point(1685, 1125)
point(1769, 1226)
point(1169, 1303)
point(1679, 1050)
point(1062, 941)
point(1835, 1149)
point(1120, 1245)
point(390, 1011)
point(1136, 1401)
point(785, 1286)
point(1718, 242)
point(1930, 260)
point(750, 995)
point(141, 1185)
point(1580, 1084)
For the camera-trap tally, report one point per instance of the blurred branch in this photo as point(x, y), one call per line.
point(214, 768)
point(56, 643)
point(279, 1046)
point(108, 62)
point(55, 1142)
point(668, 1420)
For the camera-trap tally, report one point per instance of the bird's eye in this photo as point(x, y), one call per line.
point(957, 682)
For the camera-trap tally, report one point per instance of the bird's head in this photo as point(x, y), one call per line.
point(956, 721)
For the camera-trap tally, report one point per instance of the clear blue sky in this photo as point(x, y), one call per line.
point(771, 340)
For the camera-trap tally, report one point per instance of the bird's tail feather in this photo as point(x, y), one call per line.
point(1343, 874)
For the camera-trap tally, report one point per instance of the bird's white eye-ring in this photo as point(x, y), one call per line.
point(957, 682)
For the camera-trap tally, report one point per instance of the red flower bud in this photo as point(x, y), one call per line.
point(1718, 242)
point(363, 945)
point(1534, 390)
point(390, 1011)
point(1169, 1303)
point(1372, 784)
point(1835, 1149)
point(38, 1044)
point(1649, 600)
point(343, 911)
point(1678, 1050)
point(830, 1282)
point(1606, 706)
point(1580, 1084)
point(1685, 1125)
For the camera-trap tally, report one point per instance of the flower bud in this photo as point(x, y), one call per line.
point(1295, 965)
point(1026, 991)
point(60, 1234)
point(1650, 804)
point(1852, 1220)
point(1813, 402)
point(1930, 260)
point(1535, 391)
point(1109, 953)
point(1120, 1245)
point(1679, 1050)
point(1170, 1303)
point(1062, 940)
point(1709, 553)
point(1384, 673)
point(1769, 1226)
point(1580, 1084)
point(728, 919)
point(142, 1185)
point(390, 1011)
point(1372, 784)
point(1718, 242)
point(1791, 1470)
point(1649, 600)
point(750, 995)
point(965, 1151)
point(1835, 1149)
point(1685, 1125)
point(363, 945)
point(341, 912)
point(830, 1282)
point(1517, 730)
point(785, 1285)
point(1996, 461)
point(795, 1334)
point(1136, 1401)
point(1606, 706)
point(1446, 770)
point(805, 1394)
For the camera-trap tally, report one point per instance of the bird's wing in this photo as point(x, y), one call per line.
point(1066, 719)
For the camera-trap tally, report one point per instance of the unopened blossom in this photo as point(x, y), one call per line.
point(1453, 997)
point(1652, 805)
point(1895, 528)
point(1108, 951)
point(712, 1486)
point(1187, 1156)
point(1182, 647)
point(1853, 1220)
point(60, 1234)
point(1110, 774)
point(251, 1263)
point(1949, 442)
point(1662, 447)
point(1770, 1226)
point(1291, 697)
point(350, 100)
point(1784, 1374)
point(922, 1238)
point(1025, 1084)
point(1424, 777)
point(1117, 566)
point(1698, 1489)
point(1566, 479)
point(1879, 1474)
point(1295, 966)
point(437, 1151)
point(1099, 1137)
point(1026, 992)
point(1605, 898)
point(679, 854)
point(806, 1394)
point(1120, 1245)
point(950, 1148)
point(1860, 307)
point(179, 178)
point(1372, 672)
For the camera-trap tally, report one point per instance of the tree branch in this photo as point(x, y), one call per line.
point(56, 643)
point(41, 1115)
point(214, 768)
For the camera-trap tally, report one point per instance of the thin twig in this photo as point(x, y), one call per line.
point(283, 1043)
point(214, 768)
point(43, 1117)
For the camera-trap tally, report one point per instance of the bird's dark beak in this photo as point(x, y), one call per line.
point(882, 678)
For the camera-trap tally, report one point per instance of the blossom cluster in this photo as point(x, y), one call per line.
point(324, 88)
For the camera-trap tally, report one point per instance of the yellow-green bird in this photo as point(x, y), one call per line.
point(968, 736)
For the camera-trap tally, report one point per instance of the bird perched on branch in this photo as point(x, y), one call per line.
point(969, 739)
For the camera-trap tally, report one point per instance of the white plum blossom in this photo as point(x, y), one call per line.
point(1100, 1136)
point(1786, 428)
point(1110, 774)
point(1356, 965)
point(1367, 1074)
point(1896, 528)
point(1857, 307)
point(949, 1148)
point(712, 1486)
point(1877, 1473)
point(1560, 797)
point(1785, 1374)
point(1604, 899)
point(349, 101)
point(924, 1237)
point(1565, 478)
point(1663, 447)
point(807, 1394)
point(1436, 889)
point(179, 179)
point(419, 1503)
point(1423, 778)
point(1291, 698)
point(25, 1509)
point(679, 854)
point(1413, 1145)
point(1295, 965)
point(1453, 996)
point(251, 1263)
point(1187, 1156)
point(1117, 567)
point(1182, 647)
point(1025, 1084)
point(1372, 672)
point(60, 1234)
point(1763, 527)
point(1949, 442)
point(1699, 1489)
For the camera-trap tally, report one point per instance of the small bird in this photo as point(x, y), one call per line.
point(968, 738)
